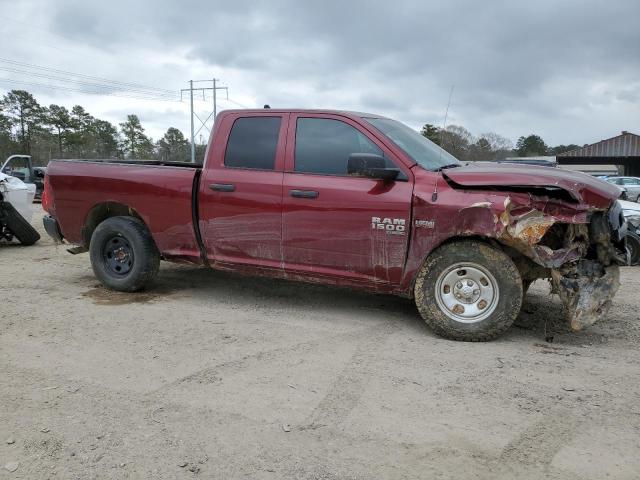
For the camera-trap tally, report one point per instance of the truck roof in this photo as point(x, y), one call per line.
point(347, 113)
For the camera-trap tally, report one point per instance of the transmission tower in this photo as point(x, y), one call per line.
point(203, 123)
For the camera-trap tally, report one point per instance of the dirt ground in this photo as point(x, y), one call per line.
point(213, 375)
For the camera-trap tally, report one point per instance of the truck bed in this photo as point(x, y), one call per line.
point(156, 163)
point(160, 193)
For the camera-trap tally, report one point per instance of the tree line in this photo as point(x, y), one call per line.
point(26, 127)
point(463, 145)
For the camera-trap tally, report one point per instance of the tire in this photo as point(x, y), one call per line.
point(633, 246)
point(123, 254)
point(476, 272)
point(17, 225)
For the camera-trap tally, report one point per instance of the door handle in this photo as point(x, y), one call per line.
point(303, 193)
point(223, 187)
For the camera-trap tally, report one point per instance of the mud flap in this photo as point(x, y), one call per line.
point(587, 298)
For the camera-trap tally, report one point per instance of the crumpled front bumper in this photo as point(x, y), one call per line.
point(587, 287)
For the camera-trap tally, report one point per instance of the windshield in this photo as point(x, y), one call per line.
point(426, 153)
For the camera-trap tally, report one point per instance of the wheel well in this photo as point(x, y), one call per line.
point(479, 238)
point(99, 213)
point(527, 268)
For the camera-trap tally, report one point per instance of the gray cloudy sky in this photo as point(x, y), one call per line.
point(567, 70)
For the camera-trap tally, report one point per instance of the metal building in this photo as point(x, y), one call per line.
point(622, 150)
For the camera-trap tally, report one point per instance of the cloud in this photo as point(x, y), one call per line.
point(565, 70)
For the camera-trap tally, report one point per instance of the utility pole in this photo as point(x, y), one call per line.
point(193, 144)
point(215, 110)
point(203, 124)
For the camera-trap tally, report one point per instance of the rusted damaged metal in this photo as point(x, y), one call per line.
point(586, 287)
point(586, 296)
point(524, 232)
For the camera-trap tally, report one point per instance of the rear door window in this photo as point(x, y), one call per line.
point(253, 143)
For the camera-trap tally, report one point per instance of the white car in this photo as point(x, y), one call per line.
point(16, 199)
point(631, 212)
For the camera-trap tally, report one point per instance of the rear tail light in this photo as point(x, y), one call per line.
point(47, 196)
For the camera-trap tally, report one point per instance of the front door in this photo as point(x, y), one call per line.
point(336, 225)
point(241, 191)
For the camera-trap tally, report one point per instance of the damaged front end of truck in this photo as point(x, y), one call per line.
point(579, 253)
point(568, 232)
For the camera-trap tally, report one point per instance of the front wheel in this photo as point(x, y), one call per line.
point(467, 290)
point(123, 254)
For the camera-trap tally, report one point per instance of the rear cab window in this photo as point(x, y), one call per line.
point(253, 143)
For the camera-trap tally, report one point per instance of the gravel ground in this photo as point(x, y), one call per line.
point(214, 375)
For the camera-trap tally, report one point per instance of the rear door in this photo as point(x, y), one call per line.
point(240, 204)
point(337, 225)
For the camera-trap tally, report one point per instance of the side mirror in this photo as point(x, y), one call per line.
point(370, 165)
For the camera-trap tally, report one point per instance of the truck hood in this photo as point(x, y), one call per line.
point(581, 187)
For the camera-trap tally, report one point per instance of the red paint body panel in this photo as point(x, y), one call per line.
point(584, 188)
point(243, 226)
point(161, 196)
point(259, 228)
point(332, 235)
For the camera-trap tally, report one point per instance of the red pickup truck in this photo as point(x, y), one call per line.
point(355, 200)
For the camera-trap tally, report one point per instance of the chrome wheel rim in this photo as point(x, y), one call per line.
point(467, 292)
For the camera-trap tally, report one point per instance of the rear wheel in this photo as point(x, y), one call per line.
point(17, 225)
point(470, 291)
point(123, 254)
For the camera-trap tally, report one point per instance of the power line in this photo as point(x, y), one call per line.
point(237, 103)
point(87, 77)
point(12, 81)
point(101, 86)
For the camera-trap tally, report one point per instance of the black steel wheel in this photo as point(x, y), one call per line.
point(123, 254)
point(118, 255)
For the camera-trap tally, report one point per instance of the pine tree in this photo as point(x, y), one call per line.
point(134, 141)
point(26, 113)
point(60, 120)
